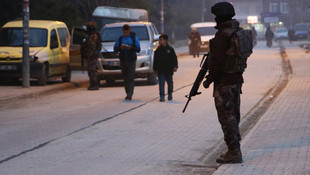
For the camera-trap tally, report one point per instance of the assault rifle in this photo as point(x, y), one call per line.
point(199, 78)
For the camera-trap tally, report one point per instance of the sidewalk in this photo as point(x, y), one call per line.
point(279, 143)
point(17, 92)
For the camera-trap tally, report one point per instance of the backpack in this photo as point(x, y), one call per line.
point(241, 48)
point(132, 36)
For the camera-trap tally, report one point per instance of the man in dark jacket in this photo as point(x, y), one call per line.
point(269, 37)
point(165, 63)
point(90, 50)
point(127, 46)
point(227, 82)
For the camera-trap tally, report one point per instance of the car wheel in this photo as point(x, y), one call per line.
point(67, 77)
point(151, 79)
point(42, 80)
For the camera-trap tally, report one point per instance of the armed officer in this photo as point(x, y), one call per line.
point(227, 81)
point(90, 52)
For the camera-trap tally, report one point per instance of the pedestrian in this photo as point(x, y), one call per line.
point(269, 36)
point(90, 51)
point(128, 45)
point(195, 42)
point(291, 35)
point(227, 79)
point(254, 36)
point(165, 64)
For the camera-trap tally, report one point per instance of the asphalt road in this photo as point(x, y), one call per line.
point(90, 132)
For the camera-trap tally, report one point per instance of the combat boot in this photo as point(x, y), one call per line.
point(231, 156)
point(162, 98)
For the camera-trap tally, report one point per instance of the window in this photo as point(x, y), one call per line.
point(111, 34)
point(274, 7)
point(54, 39)
point(284, 7)
point(206, 30)
point(14, 37)
point(64, 36)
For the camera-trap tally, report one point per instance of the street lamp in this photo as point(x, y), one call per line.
point(203, 10)
point(25, 63)
point(162, 19)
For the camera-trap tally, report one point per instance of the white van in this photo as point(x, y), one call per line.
point(207, 32)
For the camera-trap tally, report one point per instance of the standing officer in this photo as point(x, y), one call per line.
point(127, 45)
point(195, 42)
point(227, 81)
point(90, 51)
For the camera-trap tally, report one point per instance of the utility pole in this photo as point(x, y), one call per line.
point(203, 10)
point(162, 19)
point(25, 63)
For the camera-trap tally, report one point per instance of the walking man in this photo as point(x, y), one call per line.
point(165, 64)
point(227, 80)
point(128, 45)
point(90, 51)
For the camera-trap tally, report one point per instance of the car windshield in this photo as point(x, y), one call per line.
point(206, 30)
point(280, 30)
point(13, 37)
point(111, 34)
point(301, 27)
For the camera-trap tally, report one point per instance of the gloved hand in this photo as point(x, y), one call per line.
point(206, 84)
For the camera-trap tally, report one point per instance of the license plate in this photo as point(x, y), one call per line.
point(8, 67)
point(113, 63)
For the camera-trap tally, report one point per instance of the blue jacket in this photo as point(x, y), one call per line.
point(127, 55)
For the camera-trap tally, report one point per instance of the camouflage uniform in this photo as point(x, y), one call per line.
point(227, 82)
point(90, 51)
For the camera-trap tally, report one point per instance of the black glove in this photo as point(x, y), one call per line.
point(206, 84)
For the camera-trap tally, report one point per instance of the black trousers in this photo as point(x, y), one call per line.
point(128, 72)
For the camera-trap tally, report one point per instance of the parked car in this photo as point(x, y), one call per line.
point(109, 66)
point(301, 30)
point(280, 33)
point(207, 32)
point(48, 51)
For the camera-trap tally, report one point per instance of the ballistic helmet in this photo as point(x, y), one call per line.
point(91, 25)
point(223, 9)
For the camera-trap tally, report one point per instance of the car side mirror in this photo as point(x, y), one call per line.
point(156, 38)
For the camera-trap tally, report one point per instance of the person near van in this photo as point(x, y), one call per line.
point(227, 81)
point(195, 42)
point(269, 37)
point(90, 51)
point(128, 45)
point(291, 35)
point(165, 64)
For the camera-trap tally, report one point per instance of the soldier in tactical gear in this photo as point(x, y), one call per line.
point(227, 81)
point(90, 51)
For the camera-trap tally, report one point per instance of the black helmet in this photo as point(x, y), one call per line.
point(223, 9)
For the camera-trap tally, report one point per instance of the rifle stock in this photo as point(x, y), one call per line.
point(201, 75)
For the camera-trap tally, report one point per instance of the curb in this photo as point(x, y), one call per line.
point(46, 91)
